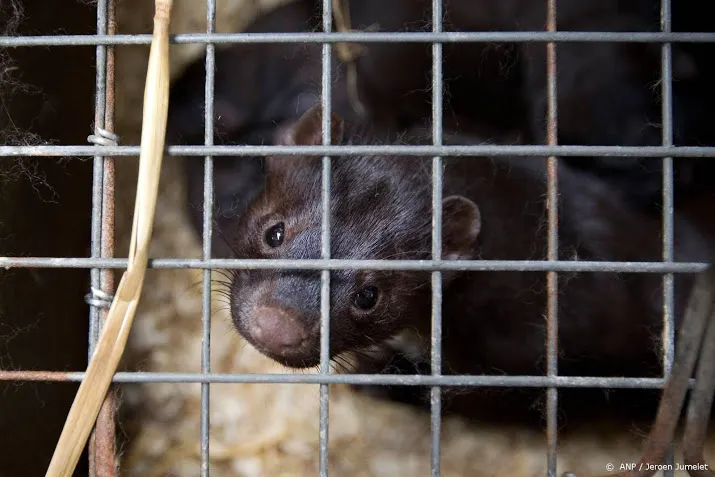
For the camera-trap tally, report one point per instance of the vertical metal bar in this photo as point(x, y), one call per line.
point(97, 199)
point(325, 243)
point(102, 450)
point(207, 236)
point(436, 335)
point(667, 133)
point(552, 303)
point(98, 171)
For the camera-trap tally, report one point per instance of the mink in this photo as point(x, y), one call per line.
point(608, 93)
point(263, 87)
point(493, 321)
point(497, 91)
point(259, 87)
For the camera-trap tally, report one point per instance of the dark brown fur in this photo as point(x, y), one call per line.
point(262, 87)
point(608, 93)
point(609, 323)
point(258, 87)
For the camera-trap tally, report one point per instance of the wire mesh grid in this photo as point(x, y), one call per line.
point(101, 261)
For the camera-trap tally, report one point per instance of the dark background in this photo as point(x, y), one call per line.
point(43, 318)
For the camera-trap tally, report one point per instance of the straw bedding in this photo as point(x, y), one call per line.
point(272, 429)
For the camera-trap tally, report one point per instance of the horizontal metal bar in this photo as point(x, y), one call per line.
point(337, 264)
point(359, 379)
point(48, 376)
point(367, 150)
point(365, 37)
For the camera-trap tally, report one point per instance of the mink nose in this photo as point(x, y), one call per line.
point(278, 329)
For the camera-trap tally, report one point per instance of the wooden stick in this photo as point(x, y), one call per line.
point(115, 332)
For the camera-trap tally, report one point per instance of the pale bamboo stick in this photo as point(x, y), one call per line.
point(113, 337)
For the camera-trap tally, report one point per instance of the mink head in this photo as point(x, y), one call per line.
point(380, 208)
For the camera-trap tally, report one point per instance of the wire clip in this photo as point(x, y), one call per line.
point(98, 298)
point(103, 138)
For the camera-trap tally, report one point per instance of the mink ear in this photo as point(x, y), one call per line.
point(308, 129)
point(461, 224)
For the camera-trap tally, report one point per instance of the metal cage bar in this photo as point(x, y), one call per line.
point(436, 331)
point(552, 286)
point(340, 264)
point(368, 150)
point(668, 333)
point(98, 171)
point(365, 37)
point(668, 210)
point(101, 444)
point(357, 379)
point(326, 103)
point(207, 236)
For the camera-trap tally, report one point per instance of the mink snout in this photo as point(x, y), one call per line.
point(278, 330)
point(281, 333)
point(284, 330)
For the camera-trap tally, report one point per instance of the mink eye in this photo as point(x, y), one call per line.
point(275, 235)
point(366, 298)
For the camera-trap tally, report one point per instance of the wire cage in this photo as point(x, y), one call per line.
point(104, 149)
